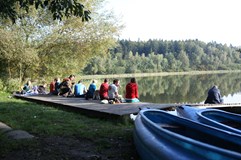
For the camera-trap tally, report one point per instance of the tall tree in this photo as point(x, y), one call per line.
point(74, 42)
point(64, 47)
point(17, 60)
point(184, 60)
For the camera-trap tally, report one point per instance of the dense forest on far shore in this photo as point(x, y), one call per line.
point(165, 56)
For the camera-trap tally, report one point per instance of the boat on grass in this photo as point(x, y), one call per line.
point(160, 135)
point(227, 121)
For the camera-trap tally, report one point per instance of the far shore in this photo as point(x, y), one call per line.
point(156, 74)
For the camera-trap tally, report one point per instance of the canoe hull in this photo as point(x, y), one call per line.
point(220, 119)
point(151, 146)
point(227, 121)
point(153, 141)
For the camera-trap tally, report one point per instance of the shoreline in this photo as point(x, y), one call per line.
point(157, 74)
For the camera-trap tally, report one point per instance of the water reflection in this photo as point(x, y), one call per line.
point(231, 98)
point(186, 88)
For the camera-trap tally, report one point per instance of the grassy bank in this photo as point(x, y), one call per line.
point(61, 135)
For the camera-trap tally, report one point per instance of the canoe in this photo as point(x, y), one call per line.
point(160, 135)
point(214, 117)
point(221, 119)
point(232, 109)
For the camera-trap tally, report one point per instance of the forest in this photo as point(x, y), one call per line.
point(165, 56)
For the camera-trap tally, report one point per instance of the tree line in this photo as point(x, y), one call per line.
point(165, 56)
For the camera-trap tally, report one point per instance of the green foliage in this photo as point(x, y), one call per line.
point(35, 46)
point(184, 60)
point(2, 87)
point(13, 85)
point(12, 9)
point(17, 60)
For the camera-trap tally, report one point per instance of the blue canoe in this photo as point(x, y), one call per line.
point(230, 122)
point(160, 135)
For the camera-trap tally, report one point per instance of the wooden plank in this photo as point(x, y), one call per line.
point(92, 107)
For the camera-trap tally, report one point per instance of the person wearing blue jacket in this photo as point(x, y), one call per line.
point(214, 96)
point(91, 90)
point(79, 89)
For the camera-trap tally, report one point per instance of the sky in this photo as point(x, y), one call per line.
point(205, 20)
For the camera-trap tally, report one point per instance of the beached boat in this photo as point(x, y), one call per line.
point(221, 119)
point(214, 117)
point(160, 135)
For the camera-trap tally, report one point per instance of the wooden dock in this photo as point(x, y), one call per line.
point(95, 109)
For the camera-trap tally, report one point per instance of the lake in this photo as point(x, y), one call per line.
point(185, 88)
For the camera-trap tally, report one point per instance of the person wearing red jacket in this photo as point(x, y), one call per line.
point(104, 90)
point(132, 91)
point(52, 87)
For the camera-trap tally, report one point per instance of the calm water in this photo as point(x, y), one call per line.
point(186, 88)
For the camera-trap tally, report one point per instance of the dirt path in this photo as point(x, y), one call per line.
point(76, 148)
point(67, 147)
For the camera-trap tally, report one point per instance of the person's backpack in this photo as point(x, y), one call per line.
point(63, 84)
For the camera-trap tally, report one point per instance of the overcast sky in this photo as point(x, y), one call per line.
point(205, 20)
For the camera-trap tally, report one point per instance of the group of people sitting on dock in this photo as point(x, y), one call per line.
point(107, 93)
point(28, 89)
point(110, 92)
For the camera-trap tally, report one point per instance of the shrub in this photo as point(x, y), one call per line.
point(10, 85)
point(13, 85)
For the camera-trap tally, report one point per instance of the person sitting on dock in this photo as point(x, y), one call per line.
point(132, 91)
point(113, 92)
point(42, 89)
point(91, 90)
point(104, 90)
point(65, 87)
point(79, 89)
point(54, 86)
point(214, 96)
point(27, 88)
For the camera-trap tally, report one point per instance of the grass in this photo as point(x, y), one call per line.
point(45, 122)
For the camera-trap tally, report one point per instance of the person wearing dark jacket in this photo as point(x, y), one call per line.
point(214, 96)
